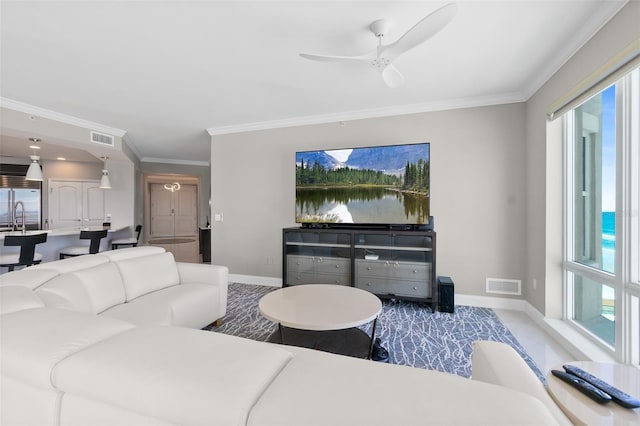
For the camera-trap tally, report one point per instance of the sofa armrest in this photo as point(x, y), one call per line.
point(208, 274)
point(499, 364)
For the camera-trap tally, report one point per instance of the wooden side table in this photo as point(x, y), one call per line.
point(582, 410)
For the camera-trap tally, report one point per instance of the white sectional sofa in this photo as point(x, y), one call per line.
point(71, 358)
point(141, 285)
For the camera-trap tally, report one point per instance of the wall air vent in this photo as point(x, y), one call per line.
point(102, 139)
point(503, 286)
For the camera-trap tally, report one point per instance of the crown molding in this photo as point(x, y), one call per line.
point(565, 52)
point(174, 161)
point(507, 98)
point(56, 116)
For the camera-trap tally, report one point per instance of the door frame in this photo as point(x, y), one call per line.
point(149, 178)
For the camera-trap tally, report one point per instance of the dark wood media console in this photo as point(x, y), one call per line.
point(394, 264)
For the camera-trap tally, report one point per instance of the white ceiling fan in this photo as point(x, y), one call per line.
point(382, 57)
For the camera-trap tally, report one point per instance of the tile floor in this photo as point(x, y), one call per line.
point(545, 351)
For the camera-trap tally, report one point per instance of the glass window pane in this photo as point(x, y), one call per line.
point(594, 307)
point(595, 182)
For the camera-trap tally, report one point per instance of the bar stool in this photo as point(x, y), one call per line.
point(92, 248)
point(27, 255)
point(132, 241)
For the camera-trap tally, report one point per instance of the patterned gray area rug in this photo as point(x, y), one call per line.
point(412, 333)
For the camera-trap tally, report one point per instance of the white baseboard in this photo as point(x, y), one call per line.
point(256, 280)
point(490, 302)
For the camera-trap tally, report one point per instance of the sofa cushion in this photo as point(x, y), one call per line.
point(89, 290)
point(130, 253)
point(79, 411)
point(388, 394)
point(178, 375)
point(33, 341)
point(500, 364)
point(30, 277)
point(145, 274)
point(17, 298)
point(25, 404)
point(185, 305)
point(71, 264)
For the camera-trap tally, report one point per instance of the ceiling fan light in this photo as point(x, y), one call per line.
point(105, 183)
point(34, 172)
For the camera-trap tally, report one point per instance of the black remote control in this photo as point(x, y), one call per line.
point(583, 386)
point(624, 399)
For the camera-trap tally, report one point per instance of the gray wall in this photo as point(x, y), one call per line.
point(477, 184)
point(544, 160)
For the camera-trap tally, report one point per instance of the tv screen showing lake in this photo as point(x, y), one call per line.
point(387, 184)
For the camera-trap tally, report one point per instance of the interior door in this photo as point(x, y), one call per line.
point(162, 222)
point(185, 203)
point(173, 214)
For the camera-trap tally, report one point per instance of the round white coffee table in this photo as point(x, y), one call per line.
point(324, 317)
point(582, 410)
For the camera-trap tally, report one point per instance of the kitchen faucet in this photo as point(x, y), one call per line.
point(15, 209)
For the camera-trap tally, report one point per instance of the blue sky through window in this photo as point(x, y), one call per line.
point(609, 149)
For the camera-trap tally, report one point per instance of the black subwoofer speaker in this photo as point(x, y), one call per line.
point(445, 295)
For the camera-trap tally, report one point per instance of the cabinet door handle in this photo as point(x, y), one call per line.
point(415, 271)
point(369, 284)
point(415, 288)
point(368, 268)
point(338, 266)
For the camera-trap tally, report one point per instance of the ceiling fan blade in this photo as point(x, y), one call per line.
point(392, 76)
point(328, 58)
point(422, 31)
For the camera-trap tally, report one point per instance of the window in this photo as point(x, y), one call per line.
point(602, 258)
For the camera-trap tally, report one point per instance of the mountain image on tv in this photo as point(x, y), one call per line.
point(385, 184)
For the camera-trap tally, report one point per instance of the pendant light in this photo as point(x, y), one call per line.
point(105, 183)
point(34, 172)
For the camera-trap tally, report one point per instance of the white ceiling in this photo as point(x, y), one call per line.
point(165, 72)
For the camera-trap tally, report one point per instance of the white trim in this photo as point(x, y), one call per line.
point(507, 98)
point(490, 302)
point(174, 161)
point(63, 118)
point(257, 280)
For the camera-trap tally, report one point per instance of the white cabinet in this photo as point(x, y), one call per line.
point(75, 203)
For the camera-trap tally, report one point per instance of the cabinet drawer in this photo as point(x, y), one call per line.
point(313, 278)
point(393, 270)
point(327, 265)
point(384, 286)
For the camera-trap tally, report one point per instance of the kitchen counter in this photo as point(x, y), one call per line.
point(58, 239)
point(64, 231)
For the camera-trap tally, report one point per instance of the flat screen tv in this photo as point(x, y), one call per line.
point(380, 185)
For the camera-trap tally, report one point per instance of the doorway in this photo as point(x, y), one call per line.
point(172, 214)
